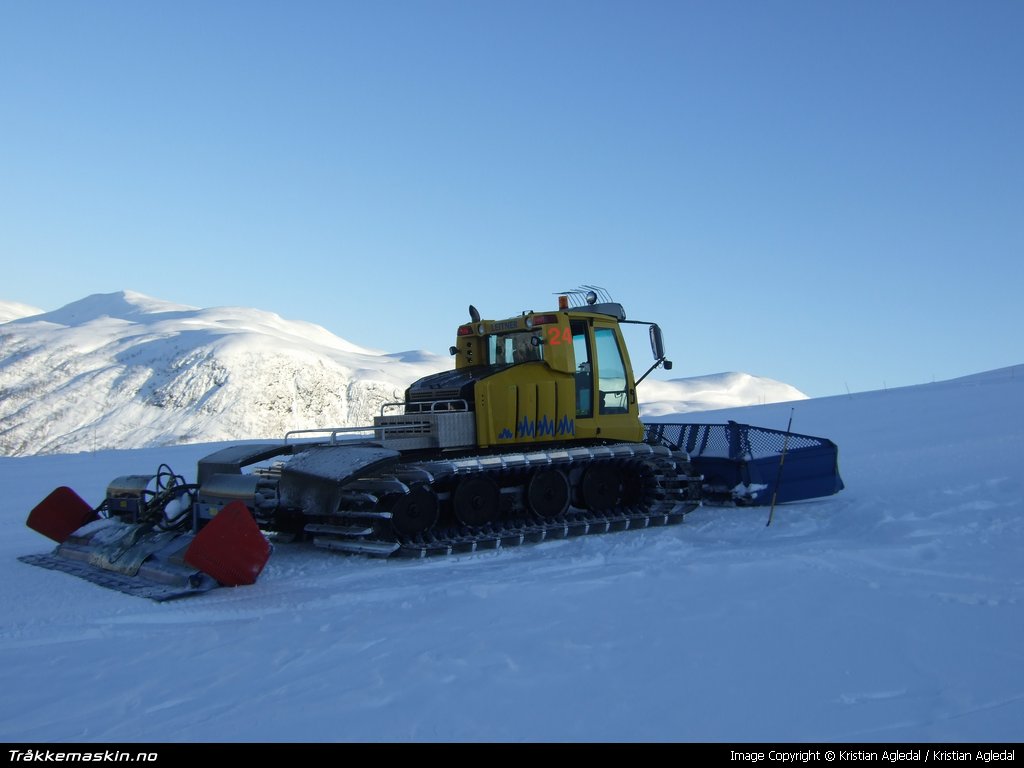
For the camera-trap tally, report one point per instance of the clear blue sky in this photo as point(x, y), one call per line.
point(826, 193)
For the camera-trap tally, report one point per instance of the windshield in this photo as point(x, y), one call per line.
point(512, 348)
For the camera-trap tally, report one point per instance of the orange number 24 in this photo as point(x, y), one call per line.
point(558, 335)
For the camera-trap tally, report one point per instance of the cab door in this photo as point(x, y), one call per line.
point(606, 404)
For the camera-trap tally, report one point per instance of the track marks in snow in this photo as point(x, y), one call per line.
point(849, 699)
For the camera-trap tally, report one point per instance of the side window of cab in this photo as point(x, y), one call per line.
point(611, 372)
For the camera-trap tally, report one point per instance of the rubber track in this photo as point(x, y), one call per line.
point(671, 490)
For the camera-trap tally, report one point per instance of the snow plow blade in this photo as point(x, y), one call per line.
point(754, 466)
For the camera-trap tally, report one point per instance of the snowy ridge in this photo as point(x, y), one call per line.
point(125, 370)
point(705, 393)
point(12, 310)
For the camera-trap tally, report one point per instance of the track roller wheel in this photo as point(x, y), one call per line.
point(477, 501)
point(634, 486)
point(601, 487)
point(415, 512)
point(547, 493)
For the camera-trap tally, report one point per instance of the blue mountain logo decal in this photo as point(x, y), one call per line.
point(546, 427)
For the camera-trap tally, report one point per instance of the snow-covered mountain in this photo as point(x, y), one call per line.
point(125, 370)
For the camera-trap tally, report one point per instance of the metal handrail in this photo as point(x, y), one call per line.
point(333, 431)
point(434, 405)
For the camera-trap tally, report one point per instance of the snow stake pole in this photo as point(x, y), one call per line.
point(782, 460)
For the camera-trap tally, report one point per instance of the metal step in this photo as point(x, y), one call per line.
point(359, 546)
point(339, 530)
point(363, 514)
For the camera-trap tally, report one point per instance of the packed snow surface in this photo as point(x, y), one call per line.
point(892, 611)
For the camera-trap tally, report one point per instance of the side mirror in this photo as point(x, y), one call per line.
point(657, 343)
point(453, 350)
point(658, 348)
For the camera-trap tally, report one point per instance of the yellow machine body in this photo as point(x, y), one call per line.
point(553, 377)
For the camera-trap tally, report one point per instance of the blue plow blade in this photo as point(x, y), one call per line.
point(754, 466)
